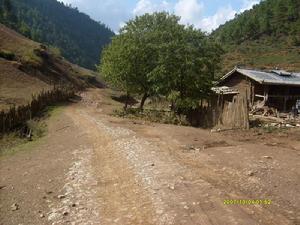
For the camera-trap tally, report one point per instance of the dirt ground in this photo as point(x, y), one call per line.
point(93, 168)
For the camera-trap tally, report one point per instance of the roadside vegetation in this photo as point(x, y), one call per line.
point(32, 78)
point(153, 115)
point(28, 133)
point(155, 56)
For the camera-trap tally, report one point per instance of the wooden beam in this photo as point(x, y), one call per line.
point(283, 96)
point(261, 96)
point(284, 104)
point(266, 93)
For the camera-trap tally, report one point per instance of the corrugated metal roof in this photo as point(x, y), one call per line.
point(271, 77)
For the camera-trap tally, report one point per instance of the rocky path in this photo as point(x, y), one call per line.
point(95, 169)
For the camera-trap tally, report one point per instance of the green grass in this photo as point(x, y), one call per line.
point(12, 143)
point(29, 57)
point(55, 51)
point(263, 54)
point(8, 55)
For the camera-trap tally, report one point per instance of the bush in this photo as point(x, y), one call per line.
point(31, 58)
point(56, 52)
point(38, 129)
point(156, 116)
point(296, 41)
point(7, 55)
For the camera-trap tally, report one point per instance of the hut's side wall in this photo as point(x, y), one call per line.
point(245, 86)
point(239, 82)
point(224, 111)
point(233, 114)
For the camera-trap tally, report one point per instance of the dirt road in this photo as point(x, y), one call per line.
point(92, 168)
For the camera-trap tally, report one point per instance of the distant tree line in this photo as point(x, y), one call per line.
point(154, 55)
point(274, 18)
point(79, 38)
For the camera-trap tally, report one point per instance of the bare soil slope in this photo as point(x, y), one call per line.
point(27, 68)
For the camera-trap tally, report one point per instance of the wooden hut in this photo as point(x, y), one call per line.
point(276, 88)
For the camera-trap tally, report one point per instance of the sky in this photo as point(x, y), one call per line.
point(206, 15)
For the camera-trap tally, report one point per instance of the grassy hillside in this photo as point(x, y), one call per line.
point(27, 68)
point(79, 38)
point(264, 37)
point(261, 54)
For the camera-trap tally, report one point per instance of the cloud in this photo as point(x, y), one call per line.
point(190, 11)
point(114, 13)
point(109, 12)
point(248, 4)
point(224, 14)
point(220, 17)
point(66, 1)
point(147, 6)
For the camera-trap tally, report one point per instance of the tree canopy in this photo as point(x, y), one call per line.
point(264, 37)
point(155, 55)
point(270, 18)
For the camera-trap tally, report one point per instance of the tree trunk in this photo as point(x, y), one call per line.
point(144, 98)
point(126, 102)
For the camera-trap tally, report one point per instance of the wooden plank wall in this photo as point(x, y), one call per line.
point(222, 112)
point(233, 114)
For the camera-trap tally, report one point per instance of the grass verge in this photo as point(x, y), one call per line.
point(19, 140)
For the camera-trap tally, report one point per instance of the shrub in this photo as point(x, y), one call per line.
point(31, 58)
point(56, 52)
point(156, 116)
point(295, 41)
point(7, 55)
point(37, 128)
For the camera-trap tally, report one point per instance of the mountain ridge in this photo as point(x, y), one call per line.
point(79, 38)
point(264, 37)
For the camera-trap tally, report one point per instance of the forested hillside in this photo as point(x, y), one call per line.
point(79, 38)
point(266, 36)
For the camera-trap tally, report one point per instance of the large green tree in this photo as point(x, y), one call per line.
point(155, 55)
point(117, 66)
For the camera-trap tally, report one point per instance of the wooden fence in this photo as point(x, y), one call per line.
point(18, 115)
point(233, 114)
point(222, 112)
